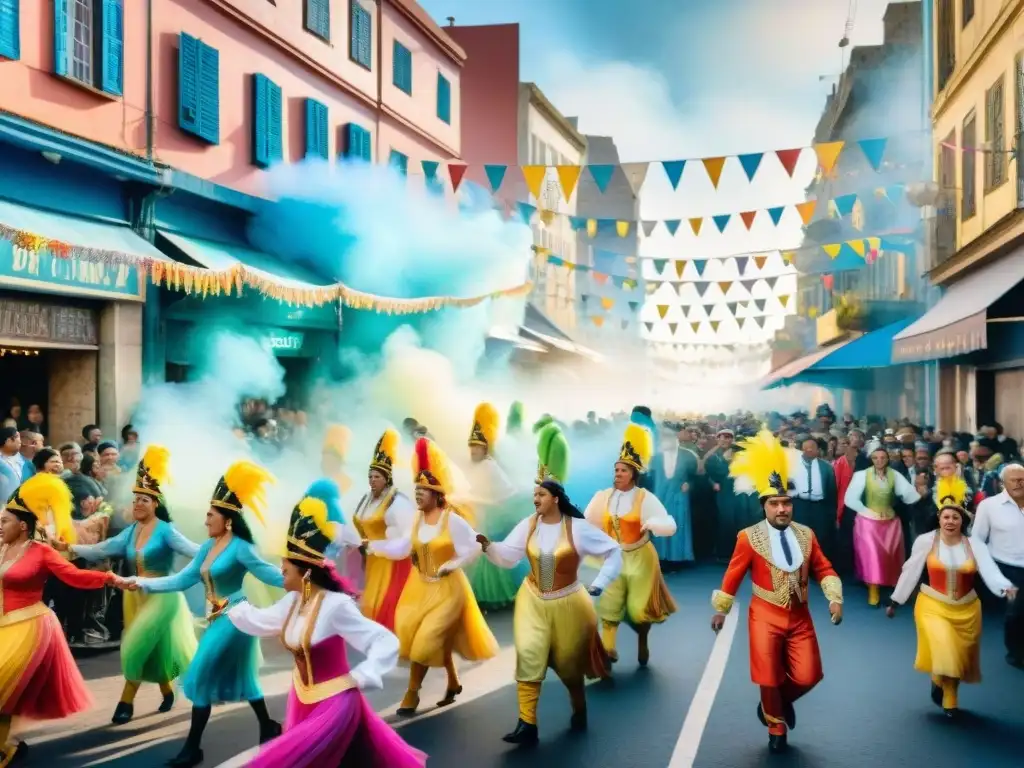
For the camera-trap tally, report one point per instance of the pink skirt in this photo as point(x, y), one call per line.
point(878, 550)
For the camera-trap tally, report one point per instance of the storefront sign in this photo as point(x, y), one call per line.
point(41, 271)
point(284, 343)
point(35, 322)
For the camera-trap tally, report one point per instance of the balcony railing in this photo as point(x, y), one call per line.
point(940, 238)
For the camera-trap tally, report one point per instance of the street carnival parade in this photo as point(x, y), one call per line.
point(392, 384)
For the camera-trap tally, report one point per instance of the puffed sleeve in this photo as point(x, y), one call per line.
point(508, 553)
point(393, 549)
point(69, 574)
point(988, 570)
point(111, 548)
point(258, 567)
point(855, 491)
point(467, 548)
point(907, 492)
point(656, 518)
point(594, 513)
point(375, 642)
point(593, 542)
point(913, 568)
point(261, 622)
point(399, 516)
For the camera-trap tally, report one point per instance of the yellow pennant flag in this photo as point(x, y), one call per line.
point(568, 175)
point(832, 249)
point(784, 300)
point(662, 310)
point(828, 154)
point(715, 324)
point(874, 243)
point(695, 326)
point(695, 225)
point(607, 303)
point(806, 211)
point(680, 268)
point(591, 227)
point(597, 320)
point(547, 217)
point(714, 165)
point(533, 175)
point(725, 286)
point(760, 261)
point(622, 228)
point(857, 246)
point(788, 256)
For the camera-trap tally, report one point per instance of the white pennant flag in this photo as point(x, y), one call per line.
point(635, 174)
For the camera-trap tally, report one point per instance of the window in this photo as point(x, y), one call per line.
point(399, 161)
point(199, 89)
point(402, 64)
point(995, 137)
point(968, 170)
point(356, 143)
point(316, 129)
point(966, 12)
point(360, 47)
point(945, 42)
point(444, 99)
point(10, 30)
point(88, 41)
point(317, 18)
point(266, 122)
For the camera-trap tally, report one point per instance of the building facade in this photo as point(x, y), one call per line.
point(976, 243)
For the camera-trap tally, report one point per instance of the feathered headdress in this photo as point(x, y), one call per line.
point(542, 422)
point(514, 423)
point(950, 492)
point(642, 415)
point(637, 447)
point(314, 523)
point(762, 461)
point(337, 439)
point(486, 423)
point(430, 467)
point(386, 453)
point(243, 485)
point(552, 455)
point(45, 493)
point(153, 472)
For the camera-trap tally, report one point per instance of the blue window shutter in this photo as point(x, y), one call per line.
point(260, 121)
point(318, 18)
point(399, 162)
point(112, 65)
point(10, 32)
point(444, 99)
point(316, 129)
point(357, 143)
point(60, 37)
point(365, 39)
point(275, 134)
point(402, 66)
point(365, 146)
point(209, 93)
point(188, 84)
point(359, 34)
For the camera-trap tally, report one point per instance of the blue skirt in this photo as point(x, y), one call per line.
point(225, 668)
point(677, 548)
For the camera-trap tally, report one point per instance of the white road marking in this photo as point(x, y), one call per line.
point(685, 753)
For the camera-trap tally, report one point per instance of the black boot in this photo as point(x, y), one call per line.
point(168, 702)
point(578, 721)
point(191, 754)
point(524, 735)
point(189, 757)
point(936, 695)
point(269, 731)
point(777, 744)
point(123, 713)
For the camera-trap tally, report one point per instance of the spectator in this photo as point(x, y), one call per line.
point(10, 461)
point(31, 444)
point(48, 460)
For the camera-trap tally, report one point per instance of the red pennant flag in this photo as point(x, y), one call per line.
point(748, 218)
point(456, 172)
point(828, 281)
point(788, 158)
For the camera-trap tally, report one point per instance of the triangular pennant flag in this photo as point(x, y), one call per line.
point(789, 158)
point(760, 261)
point(874, 151)
point(649, 288)
point(748, 218)
point(591, 228)
point(695, 326)
point(634, 306)
point(832, 249)
point(725, 286)
point(625, 324)
point(722, 221)
point(577, 223)
point(674, 171)
point(672, 225)
point(430, 169)
point(455, 173)
point(699, 265)
point(648, 227)
point(635, 175)
point(526, 211)
point(662, 310)
point(495, 175)
point(701, 289)
point(672, 328)
point(776, 214)
point(757, 321)
point(844, 203)
point(602, 175)
point(568, 175)
point(715, 324)
point(607, 303)
point(732, 306)
point(788, 257)
point(784, 300)
point(695, 225)
point(622, 228)
point(714, 165)
point(629, 283)
point(771, 282)
point(748, 285)
point(649, 326)
point(597, 320)
point(659, 265)
point(760, 304)
point(751, 163)
point(680, 268)
point(682, 308)
point(806, 210)
point(857, 246)
point(585, 297)
point(741, 264)
point(533, 175)
point(708, 309)
point(828, 154)
point(599, 277)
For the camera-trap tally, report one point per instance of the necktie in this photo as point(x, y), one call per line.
point(810, 480)
point(786, 551)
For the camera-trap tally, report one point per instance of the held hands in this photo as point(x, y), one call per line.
point(836, 609)
point(59, 544)
point(594, 591)
point(1011, 594)
point(483, 541)
point(717, 622)
point(444, 569)
point(891, 611)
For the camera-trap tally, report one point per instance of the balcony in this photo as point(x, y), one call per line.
point(940, 238)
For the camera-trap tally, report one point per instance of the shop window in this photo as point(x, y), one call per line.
point(10, 30)
point(316, 129)
point(317, 18)
point(266, 122)
point(360, 46)
point(444, 99)
point(199, 89)
point(399, 162)
point(88, 42)
point(356, 143)
point(402, 66)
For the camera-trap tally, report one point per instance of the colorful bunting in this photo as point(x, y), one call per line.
point(430, 169)
point(495, 175)
point(844, 204)
point(789, 158)
point(695, 225)
point(722, 221)
point(714, 166)
point(526, 211)
point(828, 154)
point(602, 175)
point(672, 225)
point(776, 214)
point(534, 175)
point(568, 175)
point(674, 171)
point(751, 163)
point(874, 151)
point(748, 218)
point(456, 173)
point(806, 211)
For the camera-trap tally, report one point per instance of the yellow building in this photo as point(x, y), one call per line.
point(976, 231)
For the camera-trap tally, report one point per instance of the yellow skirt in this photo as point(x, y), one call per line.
point(436, 618)
point(947, 638)
point(639, 595)
point(560, 634)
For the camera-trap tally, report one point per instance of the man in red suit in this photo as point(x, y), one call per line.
point(781, 557)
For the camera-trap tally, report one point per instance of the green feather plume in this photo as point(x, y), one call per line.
point(542, 422)
point(514, 423)
point(552, 454)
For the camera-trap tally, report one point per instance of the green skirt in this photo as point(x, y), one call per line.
point(496, 588)
point(159, 639)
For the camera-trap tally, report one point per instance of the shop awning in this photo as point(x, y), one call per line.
point(538, 328)
point(514, 337)
point(846, 366)
point(958, 323)
point(779, 377)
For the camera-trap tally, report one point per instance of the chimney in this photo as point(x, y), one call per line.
point(451, 21)
point(574, 122)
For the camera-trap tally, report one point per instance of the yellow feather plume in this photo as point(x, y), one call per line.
point(486, 425)
point(389, 443)
point(158, 463)
point(337, 440)
point(428, 457)
point(316, 510)
point(637, 447)
point(762, 461)
point(44, 494)
point(249, 482)
point(947, 488)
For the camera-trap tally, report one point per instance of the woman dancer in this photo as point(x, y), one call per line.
point(947, 611)
point(329, 723)
point(877, 531)
point(159, 640)
point(226, 664)
point(383, 513)
point(437, 614)
point(555, 624)
point(39, 679)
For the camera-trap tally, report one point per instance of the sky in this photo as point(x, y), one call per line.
point(682, 79)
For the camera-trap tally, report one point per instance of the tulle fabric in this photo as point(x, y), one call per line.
point(159, 639)
point(225, 667)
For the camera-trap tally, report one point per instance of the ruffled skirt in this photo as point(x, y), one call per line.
point(225, 668)
point(948, 638)
point(639, 594)
point(159, 640)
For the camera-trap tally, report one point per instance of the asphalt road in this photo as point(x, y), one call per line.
point(693, 707)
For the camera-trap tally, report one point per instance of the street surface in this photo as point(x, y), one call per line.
point(694, 707)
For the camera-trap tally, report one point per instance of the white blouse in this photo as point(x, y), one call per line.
point(653, 514)
point(339, 615)
point(588, 540)
point(398, 518)
point(952, 557)
point(859, 483)
point(467, 548)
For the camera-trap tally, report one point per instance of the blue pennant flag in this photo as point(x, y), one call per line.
point(577, 223)
point(672, 225)
point(776, 214)
point(844, 203)
point(751, 163)
point(674, 171)
point(659, 265)
point(874, 151)
point(741, 264)
point(722, 220)
point(699, 265)
point(602, 175)
point(526, 211)
point(495, 175)
point(430, 169)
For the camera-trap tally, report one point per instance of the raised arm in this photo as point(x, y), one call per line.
point(913, 568)
point(376, 643)
point(508, 553)
point(742, 558)
point(261, 622)
point(71, 575)
point(655, 517)
point(592, 542)
point(111, 548)
point(258, 567)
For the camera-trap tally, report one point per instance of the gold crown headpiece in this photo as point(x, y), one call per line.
point(243, 486)
point(385, 454)
point(153, 472)
point(486, 424)
point(637, 448)
point(45, 493)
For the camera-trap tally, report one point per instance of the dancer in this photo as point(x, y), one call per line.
point(383, 513)
point(780, 556)
point(947, 611)
point(329, 723)
point(226, 665)
point(437, 614)
point(877, 532)
point(555, 624)
point(631, 516)
point(39, 679)
point(159, 640)
point(497, 510)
